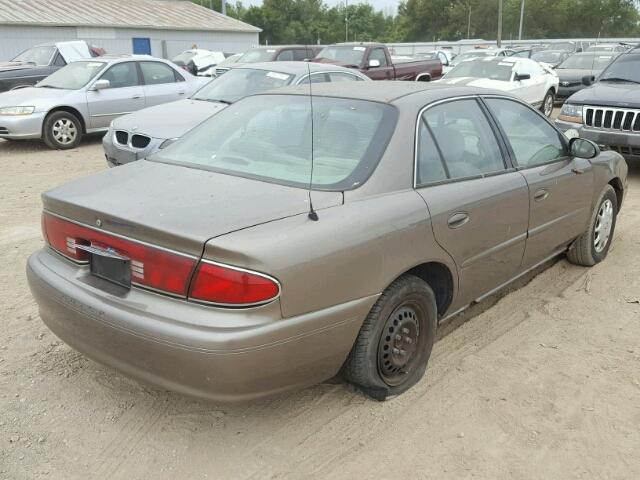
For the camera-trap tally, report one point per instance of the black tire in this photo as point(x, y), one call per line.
point(589, 249)
point(405, 311)
point(549, 99)
point(62, 130)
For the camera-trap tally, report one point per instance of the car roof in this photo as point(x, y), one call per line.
point(280, 47)
point(296, 68)
point(123, 58)
point(383, 92)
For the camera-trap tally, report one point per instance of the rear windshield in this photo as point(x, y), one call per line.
point(587, 62)
point(474, 54)
point(238, 83)
point(74, 76)
point(482, 69)
point(268, 137)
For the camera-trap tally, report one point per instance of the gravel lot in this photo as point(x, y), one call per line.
point(543, 382)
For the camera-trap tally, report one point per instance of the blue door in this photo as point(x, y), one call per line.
point(141, 46)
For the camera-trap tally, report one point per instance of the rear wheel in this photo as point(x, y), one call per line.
point(62, 130)
point(593, 245)
point(394, 344)
point(547, 104)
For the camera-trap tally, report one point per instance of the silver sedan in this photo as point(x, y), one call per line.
point(140, 134)
point(84, 97)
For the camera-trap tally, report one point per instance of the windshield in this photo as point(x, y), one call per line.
point(625, 67)
point(231, 60)
point(482, 69)
point(238, 83)
point(268, 137)
point(547, 57)
point(602, 48)
point(587, 62)
point(343, 54)
point(565, 46)
point(474, 54)
point(74, 76)
point(184, 57)
point(258, 55)
point(36, 55)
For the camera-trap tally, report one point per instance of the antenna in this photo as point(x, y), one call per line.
point(312, 213)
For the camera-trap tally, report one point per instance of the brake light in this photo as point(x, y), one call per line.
point(224, 285)
point(151, 267)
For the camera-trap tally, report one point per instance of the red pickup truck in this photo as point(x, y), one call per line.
point(374, 60)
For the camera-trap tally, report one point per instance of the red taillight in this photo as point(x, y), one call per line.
point(151, 267)
point(229, 286)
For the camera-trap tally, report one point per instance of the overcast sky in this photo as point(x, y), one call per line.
point(388, 6)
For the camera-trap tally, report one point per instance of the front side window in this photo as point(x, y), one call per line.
point(301, 54)
point(533, 141)
point(268, 137)
point(74, 76)
point(378, 54)
point(464, 139)
point(285, 56)
point(155, 73)
point(122, 75)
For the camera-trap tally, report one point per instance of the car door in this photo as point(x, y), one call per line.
point(533, 89)
point(478, 204)
point(124, 95)
point(560, 187)
point(162, 83)
point(384, 71)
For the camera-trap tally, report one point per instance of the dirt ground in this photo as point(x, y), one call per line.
point(544, 384)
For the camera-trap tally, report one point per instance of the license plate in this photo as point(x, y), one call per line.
point(108, 265)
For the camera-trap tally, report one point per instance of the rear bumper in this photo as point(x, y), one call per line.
point(22, 126)
point(625, 143)
point(219, 354)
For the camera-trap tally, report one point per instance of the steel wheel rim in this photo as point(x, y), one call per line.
point(548, 105)
point(64, 131)
point(398, 349)
point(604, 223)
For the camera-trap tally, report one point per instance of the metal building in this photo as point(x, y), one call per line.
point(162, 28)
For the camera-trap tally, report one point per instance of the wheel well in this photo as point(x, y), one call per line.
point(553, 90)
point(439, 278)
point(423, 77)
point(616, 183)
point(69, 110)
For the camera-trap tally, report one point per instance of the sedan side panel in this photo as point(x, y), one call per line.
point(352, 251)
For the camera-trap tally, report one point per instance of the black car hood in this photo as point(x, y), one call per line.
point(610, 94)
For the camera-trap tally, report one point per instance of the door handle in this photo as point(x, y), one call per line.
point(540, 195)
point(181, 93)
point(135, 97)
point(457, 220)
point(577, 170)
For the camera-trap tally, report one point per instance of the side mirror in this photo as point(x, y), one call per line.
point(588, 80)
point(523, 76)
point(583, 148)
point(374, 63)
point(101, 85)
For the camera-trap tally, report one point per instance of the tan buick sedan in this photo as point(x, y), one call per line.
point(213, 269)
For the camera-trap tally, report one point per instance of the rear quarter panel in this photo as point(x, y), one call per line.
point(353, 251)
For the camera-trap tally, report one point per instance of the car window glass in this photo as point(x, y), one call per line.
point(122, 75)
point(465, 138)
point(59, 61)
point(430, 166)
point(301, 54)
point(155, 73)
point(523, 54)
point(285, 55)
point(532, 139)
point(343, 77)
point(378, 54)
point(315, 78)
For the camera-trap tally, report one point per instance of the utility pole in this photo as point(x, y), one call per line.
point(499, 40)
point(346, 21)
point(521, 19)
point(469, 22)
point(224, 7)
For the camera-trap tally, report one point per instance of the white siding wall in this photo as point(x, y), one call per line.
point(15, 39)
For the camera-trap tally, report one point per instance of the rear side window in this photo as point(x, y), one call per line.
point(343, 77)
point(59, 61)
point(285, 55)
point(464, 139)
point(301, 54)
point(155, 73)
point(122, 75)
point(533, 141)
point(431, 168)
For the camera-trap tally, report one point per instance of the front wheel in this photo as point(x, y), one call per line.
point(593, 245)
point(62, 130)
point(391, 351)
point(547, 103)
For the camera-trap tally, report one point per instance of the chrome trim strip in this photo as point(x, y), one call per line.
point(109, 114)
point(239, 269)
